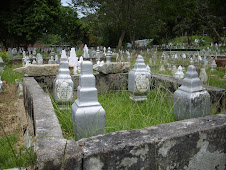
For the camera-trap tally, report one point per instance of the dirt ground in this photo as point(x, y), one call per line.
point(9, 119)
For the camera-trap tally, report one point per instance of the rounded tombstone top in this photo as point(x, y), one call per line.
point(87, 67)
point(180, 69)
point(63, 55)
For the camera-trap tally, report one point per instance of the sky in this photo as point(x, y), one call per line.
point(64, 2)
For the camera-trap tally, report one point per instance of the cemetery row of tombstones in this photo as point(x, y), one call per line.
point(190, 100)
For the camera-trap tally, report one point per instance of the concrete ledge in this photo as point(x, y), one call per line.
point(189, 144)
point(53, 151)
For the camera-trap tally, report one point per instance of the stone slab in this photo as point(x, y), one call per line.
point(189, 144)
point(39, 70)
point(113, 67)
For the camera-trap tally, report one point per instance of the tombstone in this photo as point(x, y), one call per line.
point(85, 52)
point(14, 53)
point(79, 64)
point(0, 84)
point(128, 56)
point(63, 84)
point(2, 65)
point(98, 55)
point(105, 51)
point(34, 52)
point(179, 74)
point(139, 80)
point(203, 76)
point(71, 58)
point(213, 66)
point(51, 60)
point(39, 59)
point(24, 58)
point(162, 68)
point(10, 52)
point(191, 100)
point(108, 55)
point(56, 59)
point(225, 73)
point(148, 68)
point(174, 70)
point(88, 115)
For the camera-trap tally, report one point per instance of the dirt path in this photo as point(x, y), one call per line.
point(8, 112)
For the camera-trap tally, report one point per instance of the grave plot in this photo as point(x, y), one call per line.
point(57, 139)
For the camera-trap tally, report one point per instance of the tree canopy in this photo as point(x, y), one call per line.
point(119, 20)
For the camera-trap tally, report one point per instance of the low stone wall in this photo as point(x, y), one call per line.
point(188, 144)
point(106, 82)
point(53, 151)
point(217, 95)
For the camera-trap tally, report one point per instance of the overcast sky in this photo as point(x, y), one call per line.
point(64, 2)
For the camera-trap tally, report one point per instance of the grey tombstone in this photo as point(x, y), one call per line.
point(0, 84)
point(213, 66)
point(2, 64)
point(87, 113)
point(63, 84)
point(179, 73)
point(108, 55)
point(10, 52)
point(191, 100)
point(203, 76)
point(39, 59)
point(14, 53)
point(139, 80)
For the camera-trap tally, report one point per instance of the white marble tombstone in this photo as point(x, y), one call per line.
point(39, 59)
point(213, 66)
point(139, 80)
point(203, 76)
point(14, 53)
point(85, 52)
point(87, 113)
point(191, 100)
point(63, 84)
point(179, 74)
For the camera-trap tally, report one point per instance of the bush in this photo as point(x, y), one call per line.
point(5, 56)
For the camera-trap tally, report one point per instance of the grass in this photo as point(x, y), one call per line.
point(11, 156)
point(184, 39)
point(123, 114)
point(9, 75)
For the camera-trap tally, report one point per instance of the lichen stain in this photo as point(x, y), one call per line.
point(205, 159)
point(166, 147)
point(128, 162)
point(140, 152)
point(95, 164)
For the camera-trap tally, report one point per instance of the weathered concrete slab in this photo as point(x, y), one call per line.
point(190, 144)
point(39, 70)
point(55, 153)
point(113, 67)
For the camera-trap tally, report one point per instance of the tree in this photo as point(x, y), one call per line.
point(23, 22)
point(71, 28)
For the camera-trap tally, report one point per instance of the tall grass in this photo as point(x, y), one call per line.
point(12, 156)
point(124, 114)
point(9, 75)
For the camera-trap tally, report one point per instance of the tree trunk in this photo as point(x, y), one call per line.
point(121, 39)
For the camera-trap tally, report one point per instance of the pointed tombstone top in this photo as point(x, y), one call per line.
point(72, 52)
point(63, 55)
point(139, 65)
point(191, 82)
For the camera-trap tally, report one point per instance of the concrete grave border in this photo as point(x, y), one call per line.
point(188, 144)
